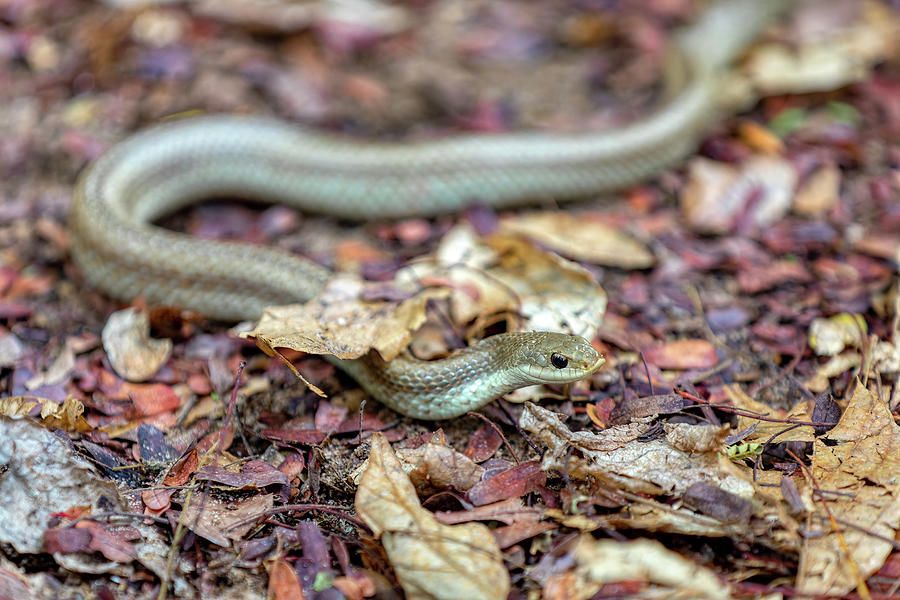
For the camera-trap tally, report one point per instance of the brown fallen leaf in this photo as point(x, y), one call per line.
point(521, 522)
point(666, 573)
point(861, 461)
point(67, 416)
point(819, 193)
point(221, 521)
point(687, 455)
point(346, 326)
point(770, 431)
point(132, 353)
point(440, 467)
point(582, 239)
point(432, 561)
point(683, 354)
point(283, 582)
point(718, 196)
point(511, 483)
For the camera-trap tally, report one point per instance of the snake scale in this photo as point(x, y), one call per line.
point(174, 164)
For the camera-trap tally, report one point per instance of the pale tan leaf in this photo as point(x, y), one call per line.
point(718, 194)
point(432, 561)
point(132, 353)
point(581, 238)
point(773, 431)
point(818, 194)
point(666, 573)
point(829, 62)
point(862, 463)
point(828, 337)
point(555, 294)
point(345, 327)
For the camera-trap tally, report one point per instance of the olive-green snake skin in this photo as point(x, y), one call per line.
point(169, 166)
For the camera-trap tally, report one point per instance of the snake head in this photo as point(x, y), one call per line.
point(546, 357)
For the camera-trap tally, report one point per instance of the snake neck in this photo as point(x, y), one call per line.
point(462, 382)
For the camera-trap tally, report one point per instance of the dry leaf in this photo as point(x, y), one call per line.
point(683, 354)
point(432, 561)
point(221, 521)
point(58, 372)
point(581, 239)
point(441, 467)
point(283, 582)
point(347, 327)
point(828, 337)
point(555, 294)
point(843, 58)
point(132, 353)
point(717, 195)
point(770, 431)
point(599, 562)
point(67, 416)
point(658, 467)
point(862, 463)
point(43, 476)
point(818, 194)
point(504, 273)
point(759, 138)
point(653, 467)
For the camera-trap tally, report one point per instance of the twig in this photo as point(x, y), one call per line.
point(749, 414)
point(499, 432)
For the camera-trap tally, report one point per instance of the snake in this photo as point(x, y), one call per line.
point(179, 162)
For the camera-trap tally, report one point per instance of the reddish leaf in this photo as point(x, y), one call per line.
point(683, 354)
point(67, 540)
point(283, 582)
point(511, 483)
point(309, 437)
point(483, 443)
point(253, 474)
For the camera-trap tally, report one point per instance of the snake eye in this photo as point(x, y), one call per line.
point(558, 360)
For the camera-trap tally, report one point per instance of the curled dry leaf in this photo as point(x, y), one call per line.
point(828, 337)
point(221, 521)
point(133, 354)
point(581, 239)
point(345, 327)
point(653, 467)
point(861, 461)
point(718, 196)
point(617, 460)
point(441, 467)
point(57, 372)
point(842, 58)
point(504, 273)
point(600, 562)
point(432, 561)
point(66, 416)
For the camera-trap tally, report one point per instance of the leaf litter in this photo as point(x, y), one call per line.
point(739, 442)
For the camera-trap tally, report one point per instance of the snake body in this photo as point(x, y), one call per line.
point(174, 164)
